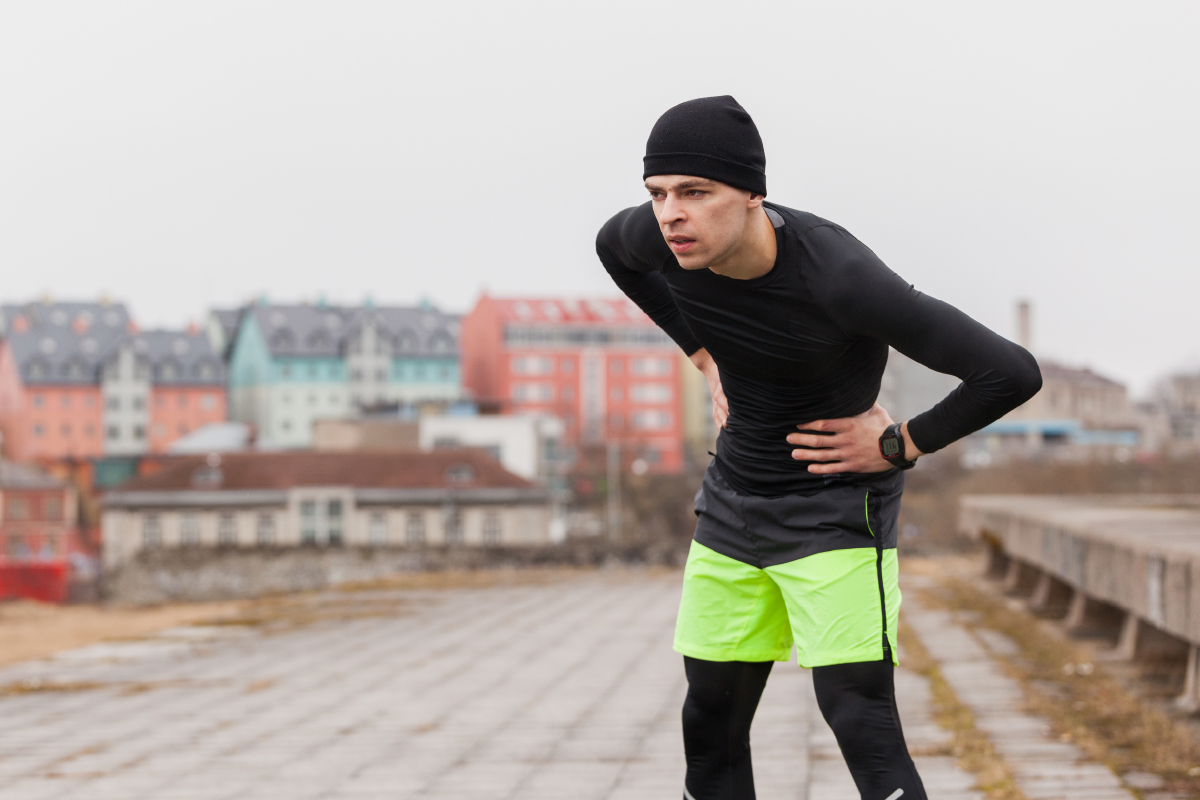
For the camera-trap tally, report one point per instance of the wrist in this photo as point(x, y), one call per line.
point(894, 449)
point(911, 451)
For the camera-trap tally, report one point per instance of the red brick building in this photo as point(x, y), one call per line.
point(79, 380)
point(602, 366)
point(39, 531)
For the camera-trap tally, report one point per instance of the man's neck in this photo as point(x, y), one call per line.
point(755, 255)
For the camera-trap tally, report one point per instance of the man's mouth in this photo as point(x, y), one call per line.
point(680, 244)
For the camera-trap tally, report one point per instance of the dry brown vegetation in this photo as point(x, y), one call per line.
point(970, 745)
point(1096, 711)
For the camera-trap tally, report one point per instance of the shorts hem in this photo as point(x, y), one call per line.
point(848, 657)
point(731, 654)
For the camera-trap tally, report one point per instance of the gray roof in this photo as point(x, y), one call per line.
point(68, 343)
point(229, 319)
point(23, 476)
point(63, 343)
point(179, 358)
point(304, 330)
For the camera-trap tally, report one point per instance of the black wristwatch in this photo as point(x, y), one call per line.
point(891, 447)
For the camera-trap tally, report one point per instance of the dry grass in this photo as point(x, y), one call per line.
point(1095, 711)
point(969, 745)
point(37, 630)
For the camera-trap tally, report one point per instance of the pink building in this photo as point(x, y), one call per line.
point(78, 380)
point(602, 366)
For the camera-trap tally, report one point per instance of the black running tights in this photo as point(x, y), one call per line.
point(857, 700)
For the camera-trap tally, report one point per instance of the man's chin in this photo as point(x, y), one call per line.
point(690, 262)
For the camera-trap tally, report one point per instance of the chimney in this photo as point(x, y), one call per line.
point(1024, 325)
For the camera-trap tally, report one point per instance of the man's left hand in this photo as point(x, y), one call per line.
point(848, 444)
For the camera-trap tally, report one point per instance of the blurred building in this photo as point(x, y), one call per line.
point(297, 498)
point(909, 388)
point(78, 380)
point(39, 534)
point(601, 366)
point(291, 365)
point(1078, 415)
point(1179, 398)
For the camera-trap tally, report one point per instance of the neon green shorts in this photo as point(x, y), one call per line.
point(820, 572)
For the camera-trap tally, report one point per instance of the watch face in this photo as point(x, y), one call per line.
point(891, 447)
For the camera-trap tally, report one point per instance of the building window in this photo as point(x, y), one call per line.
point(114, 432)
point(308, 522)
point(38, 401)
point(266, 530)
point(651, 366)
point(566, 366)
point(65, 430)
point(183, 429)
point(89, 401)
point(616, 394)
point(568, 393)
point(89, 431)
point(377, 529)
point(17, 508)
point(532, 365)
point(616, 366)
point(652, 420)
point(139, 432)
point(50, 546)
point(208, 402)
point(333, 512)
point(189, 530)
point(16, 548)
point(38, 430)
point(453, 525)
point(53, 508)
point(227, 530)
point(651, 393)
point(491, 528)
point(114, 404)
point(151, 531)
point(414, 528)
point(616, 421)
point(181, 401)
point(138, 404)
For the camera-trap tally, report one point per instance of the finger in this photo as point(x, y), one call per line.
point(828, 425)
point(827, 469)
point(817, 455)
point(815, 440)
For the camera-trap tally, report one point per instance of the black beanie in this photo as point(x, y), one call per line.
point(711, 137)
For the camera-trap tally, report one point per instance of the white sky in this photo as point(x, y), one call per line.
point(183, 155)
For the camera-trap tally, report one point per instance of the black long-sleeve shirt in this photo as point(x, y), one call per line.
point(809, 340)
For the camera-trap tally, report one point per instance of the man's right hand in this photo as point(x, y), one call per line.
point(704, 362)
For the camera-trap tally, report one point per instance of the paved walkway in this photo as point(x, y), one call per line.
point(1044, 767)
point(552, 690)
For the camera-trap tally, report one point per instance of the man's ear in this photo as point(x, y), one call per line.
point(755, 200)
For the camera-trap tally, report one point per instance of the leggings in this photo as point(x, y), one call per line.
point(857, 700)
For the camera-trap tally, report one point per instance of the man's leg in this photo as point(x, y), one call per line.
point(720, 704)
point(859, 703)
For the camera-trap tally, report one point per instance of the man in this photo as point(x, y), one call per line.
point(790, 317)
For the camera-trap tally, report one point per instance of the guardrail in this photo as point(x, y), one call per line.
point(1131, 561)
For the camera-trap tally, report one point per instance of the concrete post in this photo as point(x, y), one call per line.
point(1041, 592)
point(1127, 645)
point(1077, 611)
point(1190, 699)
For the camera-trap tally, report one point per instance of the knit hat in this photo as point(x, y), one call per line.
point(711, 137)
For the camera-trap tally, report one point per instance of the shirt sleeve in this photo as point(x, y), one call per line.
point(633, 251)
point(865, 298)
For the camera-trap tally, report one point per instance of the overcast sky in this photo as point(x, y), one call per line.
point(178, 156)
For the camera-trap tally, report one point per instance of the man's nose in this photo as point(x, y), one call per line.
point(672, 210)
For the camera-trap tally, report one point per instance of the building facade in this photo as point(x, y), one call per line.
point(601, 366)
point(38, 515)
point(292, 365)
point(78, 380)
point(321, 499)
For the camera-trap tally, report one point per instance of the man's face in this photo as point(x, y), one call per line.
point(702, 220)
